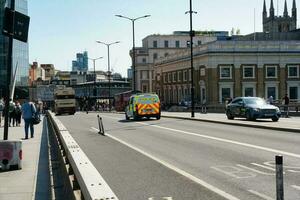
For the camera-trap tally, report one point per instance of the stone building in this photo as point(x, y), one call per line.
point(225, 69)
point(160, 46)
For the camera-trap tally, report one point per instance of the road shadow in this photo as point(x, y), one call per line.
point(257, 120)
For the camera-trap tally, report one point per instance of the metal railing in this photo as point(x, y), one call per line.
point(85, 180)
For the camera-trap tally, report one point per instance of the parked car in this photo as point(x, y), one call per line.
point(252, 108)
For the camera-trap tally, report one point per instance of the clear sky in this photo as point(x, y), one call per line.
point(61, 28)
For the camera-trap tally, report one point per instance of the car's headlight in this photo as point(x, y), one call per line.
point(277, 110)
point(256, 109)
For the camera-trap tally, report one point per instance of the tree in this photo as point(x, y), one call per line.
point(232, 31)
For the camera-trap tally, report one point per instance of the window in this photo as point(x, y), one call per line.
point(154, 44)
point(248, 72)
point(293, 92)
point(177, 44)
point(225, 94)
point(154, 56)
point(144, 88)
point(271, 91)
point(174, 77)
point(169, 77)
point(165, 78)
point(166, 43)
point(199, 42)
point(145, 75)
point(179, 74)
point(188, 43)
point(144, 60)
point(249, 92)
point(185, 75)
point(225, 72)
point(293, 71)
point(190, 75)
point(271, 71)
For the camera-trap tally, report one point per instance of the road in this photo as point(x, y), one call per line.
point(181, 159)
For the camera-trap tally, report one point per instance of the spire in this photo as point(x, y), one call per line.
point(272, 11)
point(285, 13)
point(265, 10)
point(294, 10)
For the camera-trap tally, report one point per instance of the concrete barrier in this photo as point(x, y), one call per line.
point(85, 178)
point(10, 154)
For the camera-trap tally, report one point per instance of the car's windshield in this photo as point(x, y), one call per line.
point(256, 101)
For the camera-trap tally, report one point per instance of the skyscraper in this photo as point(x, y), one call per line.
point(20, 51)
point(81, 62)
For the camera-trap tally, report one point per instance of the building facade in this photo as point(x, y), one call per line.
point(81, 62)
point(160, 46)
point(227, 69)
point(20, 51)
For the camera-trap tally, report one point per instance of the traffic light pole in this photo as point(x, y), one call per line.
point(8, 77)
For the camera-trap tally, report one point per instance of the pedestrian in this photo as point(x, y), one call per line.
point(270, 100)
point(18, 113)
point(11, 113)
point(28, 113)
point(286, 102)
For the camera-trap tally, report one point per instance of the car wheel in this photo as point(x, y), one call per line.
point(248, 116)
point(126, 117)
point(229, 115)
point(158, 117)
point(275, 119)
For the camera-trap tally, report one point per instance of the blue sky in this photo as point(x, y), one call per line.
point(61, 28)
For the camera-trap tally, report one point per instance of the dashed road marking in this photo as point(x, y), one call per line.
point(263, 196)
point(162, 198)
point(179, 171)
point(234, 172)
point(263, 166)
point(296, 187)
point(255, 170)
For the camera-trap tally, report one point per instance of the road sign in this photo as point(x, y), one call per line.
point(16, 24)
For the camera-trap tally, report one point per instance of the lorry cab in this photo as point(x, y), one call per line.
point(143, 105)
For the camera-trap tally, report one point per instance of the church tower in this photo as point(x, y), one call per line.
point(278, 24)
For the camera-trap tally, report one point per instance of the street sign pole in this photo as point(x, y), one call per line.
point(8, 77)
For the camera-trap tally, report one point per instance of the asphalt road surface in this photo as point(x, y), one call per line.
point(175, 159)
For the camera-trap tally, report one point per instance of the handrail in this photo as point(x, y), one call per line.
point(86, 177)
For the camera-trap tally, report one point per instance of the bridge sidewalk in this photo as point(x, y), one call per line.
point(32, 181)
point(284, 124)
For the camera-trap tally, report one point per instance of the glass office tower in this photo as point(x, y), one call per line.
point(20, 51)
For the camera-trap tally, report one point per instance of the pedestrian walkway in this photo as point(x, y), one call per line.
point(32, 181)
point(284, 124)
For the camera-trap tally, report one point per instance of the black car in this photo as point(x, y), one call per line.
point(252, 108)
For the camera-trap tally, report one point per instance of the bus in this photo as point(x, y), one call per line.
point(122, 99)
point(64, 100)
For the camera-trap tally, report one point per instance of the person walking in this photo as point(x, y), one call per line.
point(18, 113)
point(28, 112)
point(11, 112)
point(1, 110)
point(286, 102)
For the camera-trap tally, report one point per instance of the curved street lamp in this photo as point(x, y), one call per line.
point(133, 48)
point(108, 66)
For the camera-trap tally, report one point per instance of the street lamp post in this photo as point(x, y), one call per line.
point(192, 34)
point(95, 77)
point(108, 66)
point(133, 46)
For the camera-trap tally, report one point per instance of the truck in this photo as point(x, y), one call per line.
point(64, 100)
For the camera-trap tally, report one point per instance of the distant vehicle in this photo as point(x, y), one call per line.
point(122, 99)
point(252, 108)
point(143, 105)
point(64, 100)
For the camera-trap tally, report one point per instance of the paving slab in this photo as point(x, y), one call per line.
point(22, 184)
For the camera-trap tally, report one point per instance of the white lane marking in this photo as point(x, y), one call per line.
point(263, 196)
point(179, 171)
point(95, 129)
point(296, 187)
point(163, 198)
point(263, 166)
point(234, 172)
point(254, 170)
point(225, 140)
